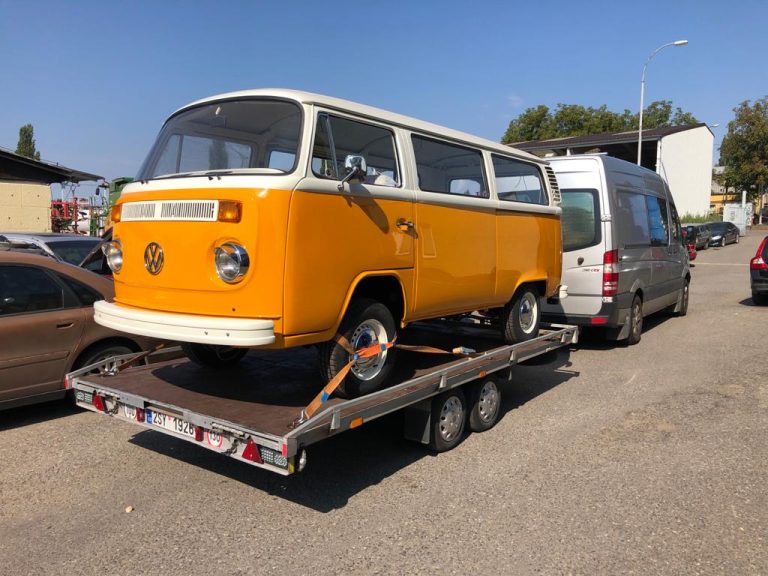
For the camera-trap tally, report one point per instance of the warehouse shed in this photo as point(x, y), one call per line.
point(682, 155)
point(25, 191)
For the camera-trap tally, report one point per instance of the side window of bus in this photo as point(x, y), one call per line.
point(518, 181)
point(336, 138)
point(657, 217)
point(449, 168)
point(632, 219)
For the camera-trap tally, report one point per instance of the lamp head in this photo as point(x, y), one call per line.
point(680, 42)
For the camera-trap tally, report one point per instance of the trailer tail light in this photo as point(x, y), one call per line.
point(199, 433)
point(611, 273)
point(140, 415)
point(599, 320)
point(251, 452)
point(758, 263)
point(98, 402)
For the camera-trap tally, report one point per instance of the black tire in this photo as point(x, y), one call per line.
point(363, 320)
point(635, 321)
point(684, 300)
point(449, 415)
point(213, 356)
point(759, 299)
point(737, 238)
point(521, 317)
point(99, 353)
point(722, 242)
point(484, 405)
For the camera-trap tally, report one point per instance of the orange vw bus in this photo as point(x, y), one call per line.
point(277, 218)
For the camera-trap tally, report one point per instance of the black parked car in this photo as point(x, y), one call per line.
point(697, 234)
point(723, 233)
point(758, 274)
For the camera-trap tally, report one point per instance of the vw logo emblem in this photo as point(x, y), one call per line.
point(153, 258)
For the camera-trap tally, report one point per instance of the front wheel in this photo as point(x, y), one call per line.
point(521, 317)
point(737, 238)
point(213, 356)
point(722, 242)
point(366, 323)
point(635, 321)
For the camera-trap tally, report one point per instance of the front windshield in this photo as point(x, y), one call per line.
point(233, 135)
point(73, 251)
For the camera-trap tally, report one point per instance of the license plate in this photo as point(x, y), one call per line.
point(168, 422)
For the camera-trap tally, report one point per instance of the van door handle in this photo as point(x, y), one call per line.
point(404, 225)
point(64, 325)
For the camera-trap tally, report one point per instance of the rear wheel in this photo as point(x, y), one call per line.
point(635, 321)
point(213, 356)
point(760, 299)
point(449, 411)
point(485, 405)
point(683, 310)
point(521, 317)
point(366, 323)
point(99, 354)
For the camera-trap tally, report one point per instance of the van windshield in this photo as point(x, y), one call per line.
point(233, 136)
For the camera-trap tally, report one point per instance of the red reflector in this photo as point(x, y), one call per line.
point(98, 402)
point(139, 414)
point(198, 433)
point(284, 450)
point(66, 382)
point(251, 452)
point(599, 321)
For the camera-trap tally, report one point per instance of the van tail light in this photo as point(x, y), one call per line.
point(611, 273)
point(757, 263)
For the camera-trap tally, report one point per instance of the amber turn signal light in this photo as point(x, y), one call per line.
point(116, 212)
point(230, 211)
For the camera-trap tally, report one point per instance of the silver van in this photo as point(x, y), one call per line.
point(623, 254)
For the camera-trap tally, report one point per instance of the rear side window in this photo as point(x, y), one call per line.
point(580, 219)
point(658, 221)
point(632, 219)
point(24, 289)
point(336, 138)
point(518, 181)
point(448, 168)
point(87, 296)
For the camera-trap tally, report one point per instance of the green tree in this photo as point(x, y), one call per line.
point(26, 146)
point(744, 150)
point(540, 123)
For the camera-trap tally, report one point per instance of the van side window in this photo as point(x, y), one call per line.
point(336, 138)
point(580, 219)
point(518, 181)
point(675, 229)
point(448, 168)
point(659, 224)
point(632, 219)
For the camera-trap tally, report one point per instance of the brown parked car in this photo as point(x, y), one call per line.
point(47, 327)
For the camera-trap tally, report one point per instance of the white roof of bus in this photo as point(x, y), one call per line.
point(370, 112)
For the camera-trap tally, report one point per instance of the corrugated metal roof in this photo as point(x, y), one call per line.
point(16, 167)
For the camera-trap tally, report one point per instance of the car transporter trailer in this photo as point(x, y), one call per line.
point(259, 412)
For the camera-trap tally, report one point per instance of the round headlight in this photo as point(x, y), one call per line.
point(231, 262)
point(113, 252)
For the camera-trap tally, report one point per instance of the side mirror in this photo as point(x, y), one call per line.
point(356, 169)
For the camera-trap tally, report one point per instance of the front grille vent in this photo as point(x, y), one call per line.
point(184, 210)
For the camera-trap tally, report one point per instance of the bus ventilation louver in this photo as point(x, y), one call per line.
point(187, 210)
point(553, 184)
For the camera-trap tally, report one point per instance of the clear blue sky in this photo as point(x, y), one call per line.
point(97, 79)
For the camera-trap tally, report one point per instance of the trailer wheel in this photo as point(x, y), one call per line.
point(213, 356)
point(521, 316)
point(366, 322)
point(484, 406)
point(449, 413)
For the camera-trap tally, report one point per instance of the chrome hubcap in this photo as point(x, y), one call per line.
point(451, 418)
point(529, 309)
point(488, 403)
point(368, 333)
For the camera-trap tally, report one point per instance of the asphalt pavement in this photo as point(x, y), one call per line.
point(608, 459)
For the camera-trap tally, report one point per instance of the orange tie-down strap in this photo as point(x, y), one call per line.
point(367, 352)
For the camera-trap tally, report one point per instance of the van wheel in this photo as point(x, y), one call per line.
point(449, 412)
point(635, 321)
point(684, 300)
point(213, 356)
point(485, 405)
point(366, 322)
point(520, 318)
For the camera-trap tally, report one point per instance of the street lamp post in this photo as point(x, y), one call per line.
point(642, 94)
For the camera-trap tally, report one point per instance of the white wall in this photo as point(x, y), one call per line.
point(685, 162)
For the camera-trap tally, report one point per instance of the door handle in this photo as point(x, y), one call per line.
point(65, 325)
point(404, 225)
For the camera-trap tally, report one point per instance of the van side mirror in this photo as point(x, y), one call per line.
point(356, 169)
